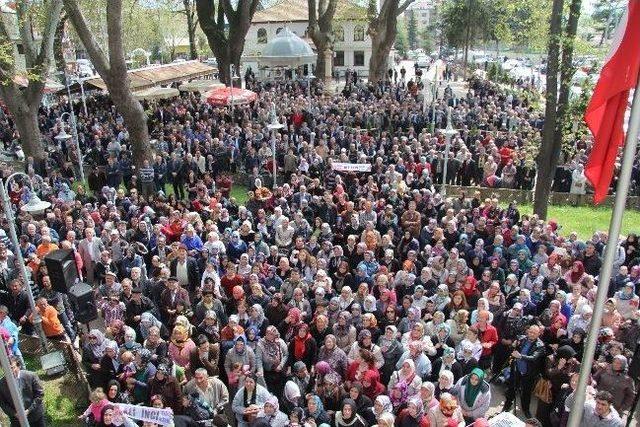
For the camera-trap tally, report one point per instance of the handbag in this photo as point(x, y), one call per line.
point(542, 390)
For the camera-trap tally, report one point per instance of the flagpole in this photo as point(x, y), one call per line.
point(604, 278)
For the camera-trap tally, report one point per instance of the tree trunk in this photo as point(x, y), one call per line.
point(378, 64)
point(545, 174)
point(135, 119)
point(191, 29)
point(321, 64)
point(467, 40)
point(567, 71)
point(58, 53)
point(26, 121)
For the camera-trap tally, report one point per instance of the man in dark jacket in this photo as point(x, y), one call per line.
point(32, 394)
point(17, 301)
point(527, 359)
point(185, 268)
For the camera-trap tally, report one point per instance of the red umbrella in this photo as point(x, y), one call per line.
point(226, 96)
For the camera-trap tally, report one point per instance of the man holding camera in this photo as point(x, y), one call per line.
point(525, 368)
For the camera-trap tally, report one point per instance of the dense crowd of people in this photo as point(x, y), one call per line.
point(348, 299)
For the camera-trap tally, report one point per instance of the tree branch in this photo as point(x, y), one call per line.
point(98, 57)
point(404, 7)
point(43, 60)
point(114, 30)
point(24, 29)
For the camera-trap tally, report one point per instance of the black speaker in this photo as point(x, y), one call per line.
point(83, 304)
point(61, 265)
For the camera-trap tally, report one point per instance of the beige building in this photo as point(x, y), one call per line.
point(352, 44)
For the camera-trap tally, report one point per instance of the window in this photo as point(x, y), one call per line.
point(358, 58)
point(262, 35)
point(278, 30)
point(338, 61)
point(358, 33)
point(338, 34)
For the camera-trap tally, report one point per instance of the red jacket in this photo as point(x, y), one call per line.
point(490, 334)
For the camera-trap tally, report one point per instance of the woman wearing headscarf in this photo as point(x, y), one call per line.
point(271, 359)
point(474, 395)
point(181, 346)
point(257, 319)
point(447, 413)
point(147, 320)
point(334, 356)
point(248, 401)
point(110, 362)
point(240, 354)
point(417, 334)
point(114, 393)
point(407, 375)
point(458, 326)
point(580, 320)
point(441, 298)
point(272, 414)
point(391, 350)
point(363, 402)
point(381, 404)
point(348, 416)
point(445, 383)
point(344, 331)
point(615, 380)
point(412, 318)
point(92, 353)
point(576, 274)
point(365, 342)
point(209, 327)
point(371, 385)
point(413, 415)
point(292, 397)
point(302, 348)
point(441, 339)
point(315, 409)
point(627, 301)
point(447, 362)
point(289, 326)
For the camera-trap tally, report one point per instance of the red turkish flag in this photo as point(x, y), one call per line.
point(606, 110)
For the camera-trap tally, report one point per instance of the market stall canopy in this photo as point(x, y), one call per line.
point(227, 96)
point(200, 85)
point(157, 93)
point(158, 75)
point(286, 49)
point(50, 86)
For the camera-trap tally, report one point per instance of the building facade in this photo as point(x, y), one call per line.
point(352, 47)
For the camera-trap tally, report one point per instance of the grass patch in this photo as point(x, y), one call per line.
point(63, 399)
point(586, 220)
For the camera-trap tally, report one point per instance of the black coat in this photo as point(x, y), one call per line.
point(192, 272)
point(32, 398)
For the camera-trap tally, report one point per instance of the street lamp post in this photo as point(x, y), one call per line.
point(434, 99)
point(273, 127)
point(232, 76)
point(81, 81)
point(34, 205)
point(449, 132)
point(64, 136)
point(12, 384)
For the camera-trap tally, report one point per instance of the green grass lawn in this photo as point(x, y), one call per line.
point(585, 220)
point(64, 399)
